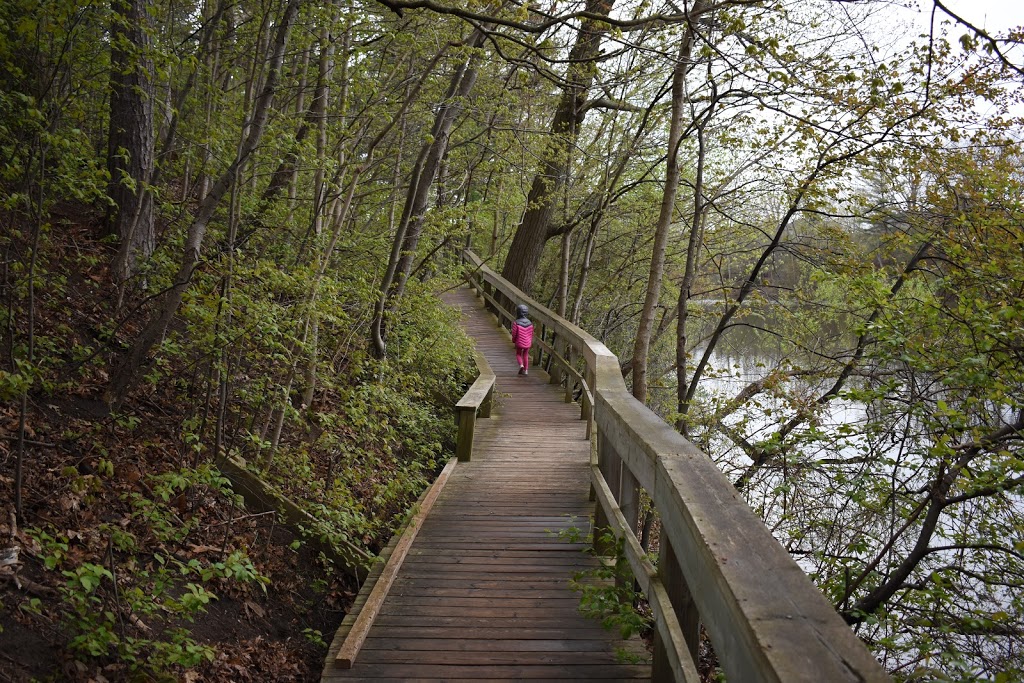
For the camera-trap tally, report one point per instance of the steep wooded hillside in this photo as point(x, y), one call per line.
point(225, 226)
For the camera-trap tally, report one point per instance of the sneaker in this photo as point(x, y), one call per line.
point(525, 371)
point(522, 370)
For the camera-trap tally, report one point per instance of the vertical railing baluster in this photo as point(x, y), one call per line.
point(478, 283)
point(587, 407)
point(629, 504)
point(570, 381)
point(629, 497)
point(538, 353)
point(554, 371)
point(686, 611)
point(485, 405)
point(611, 467)
point(489, 291)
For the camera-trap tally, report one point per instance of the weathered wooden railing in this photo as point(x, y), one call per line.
point(476, 400)
point(718, 566)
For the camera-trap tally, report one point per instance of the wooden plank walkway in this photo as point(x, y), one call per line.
point(484, 592)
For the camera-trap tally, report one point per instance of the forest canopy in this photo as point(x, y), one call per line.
point(799, 224)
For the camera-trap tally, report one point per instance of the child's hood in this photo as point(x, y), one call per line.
point(521, 312)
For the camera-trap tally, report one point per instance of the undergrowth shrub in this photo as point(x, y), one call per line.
point(129, 605)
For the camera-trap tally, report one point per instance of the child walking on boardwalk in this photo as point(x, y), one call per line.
point(522, 337)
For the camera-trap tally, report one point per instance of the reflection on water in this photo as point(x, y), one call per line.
point(847, 489)
point(796, 392)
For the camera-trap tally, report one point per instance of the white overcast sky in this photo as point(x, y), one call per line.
point(994, 16)
point(991, 15)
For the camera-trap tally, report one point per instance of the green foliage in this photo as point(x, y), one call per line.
point(13, 384)
point(134, 615)
point(54, 548)
point(237, 567)
point(314, 636)
point(268, 356)
point(607, 591)
point(97, 624)
point(101, 615)
point(153, 510)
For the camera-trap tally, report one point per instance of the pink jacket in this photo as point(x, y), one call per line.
point(522, 335)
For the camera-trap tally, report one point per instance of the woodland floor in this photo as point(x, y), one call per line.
point(82, 469)
point(257, 636)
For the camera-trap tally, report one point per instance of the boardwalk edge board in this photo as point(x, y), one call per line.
point(376, 588)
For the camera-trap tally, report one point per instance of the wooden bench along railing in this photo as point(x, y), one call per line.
point(718, 566)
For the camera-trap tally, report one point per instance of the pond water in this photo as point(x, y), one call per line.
point(730, 372)
point(855, 473)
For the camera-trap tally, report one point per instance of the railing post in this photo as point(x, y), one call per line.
point(686, 611)
point(539, 352)
point(555, 373)
point(586, 404)
point(629, 497)
point(485, 405)
point(478, 399)
point(489, 291)
point(466, 416)
point(569, 382)
point(611, 467)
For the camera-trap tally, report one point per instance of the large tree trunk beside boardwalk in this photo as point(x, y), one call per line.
point(461, 84)
point(527, 246)
point(131, 138)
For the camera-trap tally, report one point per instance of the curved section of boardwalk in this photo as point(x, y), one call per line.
point(484, 592)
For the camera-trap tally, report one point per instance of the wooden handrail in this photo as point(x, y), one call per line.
point(564, 365)
point(719, 565)
point(478, 398)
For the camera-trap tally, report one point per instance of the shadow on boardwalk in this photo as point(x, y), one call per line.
point(484, 592)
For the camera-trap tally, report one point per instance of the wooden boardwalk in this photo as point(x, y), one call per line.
point(484, 592)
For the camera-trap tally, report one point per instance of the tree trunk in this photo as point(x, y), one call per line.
point(693, 248)
point(642, 345)
point(319, 112)
point(154, 330)
point(131, 141)
point(463, 83)
point(562, 297)
point(588, 253)
point(527, 247)
point(410, 226)
point(212, 68)
point(30, 346)
point(167, 141)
